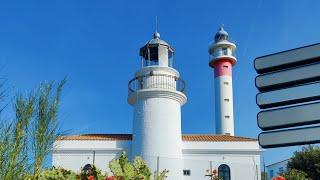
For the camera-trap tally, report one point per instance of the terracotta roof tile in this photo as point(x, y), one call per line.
point(216, 138)
point(110, 137)
point(185, 137)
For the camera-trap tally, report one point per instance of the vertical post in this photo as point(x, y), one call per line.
point(94, 157)
point(157, 166)
point(211, 173)
point(257, 172)
point(148, 57)
point(156, 23)
point(142, 63)
point(264, 169)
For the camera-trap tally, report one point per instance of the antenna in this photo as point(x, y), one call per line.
point(156, 23)
point(222, 26)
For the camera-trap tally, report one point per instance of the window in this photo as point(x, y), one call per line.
point(187, 172)
point(281, 170)
point(227, 100)
point(225, 66)
point(224, 51)
point(153, 54)
point(271, 174)
point(226, 83)
point(224, 172)
point(227, 116)
point(170, 57)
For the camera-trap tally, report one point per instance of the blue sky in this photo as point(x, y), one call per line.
point(96, 44)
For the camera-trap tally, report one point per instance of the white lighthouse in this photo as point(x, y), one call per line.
point(157, 94)
point(222, 59)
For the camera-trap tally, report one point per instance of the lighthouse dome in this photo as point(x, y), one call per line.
point(156, 40)
point(221, 35)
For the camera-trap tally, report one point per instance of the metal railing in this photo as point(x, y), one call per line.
point(161, 81)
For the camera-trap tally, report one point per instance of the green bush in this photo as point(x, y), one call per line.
point(92, 170)
point(294, 174)
point(57, 173)
point(123, 169)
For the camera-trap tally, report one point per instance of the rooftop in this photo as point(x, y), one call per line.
point(279, 162)
point(185, 137)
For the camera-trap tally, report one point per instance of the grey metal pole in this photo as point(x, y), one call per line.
point(94, 157)
point(211, 173)
point(257, 172)
point(264, 169)
point(157, 166)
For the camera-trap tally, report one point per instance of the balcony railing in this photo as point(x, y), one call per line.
point(161, 81)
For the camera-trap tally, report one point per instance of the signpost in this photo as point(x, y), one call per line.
point(290, 137)
point(289, 117)
point(289, 96)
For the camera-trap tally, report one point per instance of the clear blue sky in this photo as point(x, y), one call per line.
point(96, 44)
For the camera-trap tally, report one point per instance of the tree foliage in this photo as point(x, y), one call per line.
point(44, 127)
point(26, 141)
point(307, 161)
point(14, 140)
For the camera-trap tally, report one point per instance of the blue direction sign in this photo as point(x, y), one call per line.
point(289, 85)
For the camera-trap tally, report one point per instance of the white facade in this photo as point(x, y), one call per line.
point(277, 168)
point(242, 156)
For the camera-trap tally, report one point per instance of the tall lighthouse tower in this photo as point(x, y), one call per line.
point(157, 94)
point(222, 59)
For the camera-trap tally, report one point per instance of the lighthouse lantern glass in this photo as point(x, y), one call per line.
point(157, 56)
point(170, 57)
point(223, 51)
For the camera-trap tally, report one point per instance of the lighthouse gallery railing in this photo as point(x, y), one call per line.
point(162, 81)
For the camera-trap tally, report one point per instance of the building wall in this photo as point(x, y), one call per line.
point(74, 155)
point(243, 158)
point(242, 167)
point(277, 168)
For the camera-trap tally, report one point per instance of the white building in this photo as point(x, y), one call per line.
point(277, 168)
point(157, 93)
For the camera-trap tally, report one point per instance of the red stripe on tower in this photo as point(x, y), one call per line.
point(222, 68)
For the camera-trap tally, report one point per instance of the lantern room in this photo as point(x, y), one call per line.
point(222, 48)
point(156, 52)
